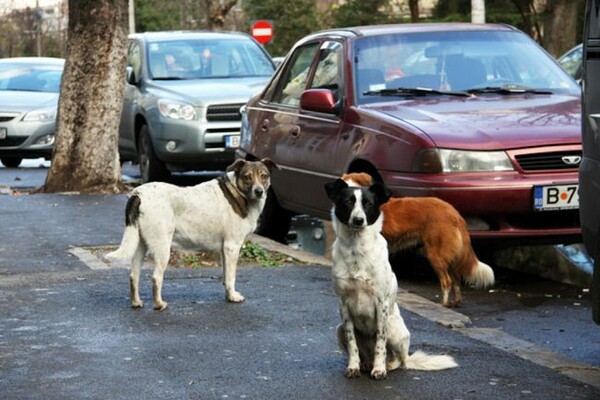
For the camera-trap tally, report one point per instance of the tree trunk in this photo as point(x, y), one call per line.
point(529, 15)
point(413, 5)
point(85, 157)
point(217, 12)
point(560, 25)
point(478, 11)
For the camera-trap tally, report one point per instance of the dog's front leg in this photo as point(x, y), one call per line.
point(353, 369)
point(229, 259)
point(379, 369)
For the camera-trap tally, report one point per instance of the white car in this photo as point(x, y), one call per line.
point(29, 91)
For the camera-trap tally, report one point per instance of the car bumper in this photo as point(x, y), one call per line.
point(26, 139)
point(191, 145)
point(502, 211)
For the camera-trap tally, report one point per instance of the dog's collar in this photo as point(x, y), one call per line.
point(238, 202)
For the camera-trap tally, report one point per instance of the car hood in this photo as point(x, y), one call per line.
point(17, 101)
point(200, 91)
point(491, 122)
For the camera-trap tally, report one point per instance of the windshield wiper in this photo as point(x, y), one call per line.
point(418, 91)
point(508, 89)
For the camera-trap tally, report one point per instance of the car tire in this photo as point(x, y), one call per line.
point(11, 162)
point(151, 168)
point(274, 222)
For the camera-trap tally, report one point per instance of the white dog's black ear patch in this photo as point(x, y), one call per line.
point(381, 191)
point(334, 188)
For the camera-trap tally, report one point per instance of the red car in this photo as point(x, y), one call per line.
point(478, 115)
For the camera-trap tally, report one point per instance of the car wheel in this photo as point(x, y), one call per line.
point(274, 222)
point(151, 168)
point(11, 162)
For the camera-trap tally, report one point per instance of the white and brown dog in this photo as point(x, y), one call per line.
point(372, 332)
point(216, 215)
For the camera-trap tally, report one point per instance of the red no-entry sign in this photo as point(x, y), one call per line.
point(262, 31)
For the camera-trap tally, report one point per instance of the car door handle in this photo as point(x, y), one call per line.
point(265, 125)
point(295, 130)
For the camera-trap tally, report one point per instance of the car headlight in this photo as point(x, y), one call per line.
point(452, 161)
point(44, 114)
point(176, 110)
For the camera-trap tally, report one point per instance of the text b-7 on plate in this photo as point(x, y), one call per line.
point(556, 197)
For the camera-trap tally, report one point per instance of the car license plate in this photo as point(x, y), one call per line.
point(232, 141)
point(2, 133)
point(556, 197)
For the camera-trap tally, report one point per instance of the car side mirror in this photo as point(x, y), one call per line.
point(130, 75)
point(320, 100)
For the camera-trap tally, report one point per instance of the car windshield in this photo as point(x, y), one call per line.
point(455, 61)
point(30, 77)
point(210, 58)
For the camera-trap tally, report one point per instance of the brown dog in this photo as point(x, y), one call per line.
point(432, 222)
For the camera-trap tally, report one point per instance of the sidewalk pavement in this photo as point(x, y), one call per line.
point(67, 331)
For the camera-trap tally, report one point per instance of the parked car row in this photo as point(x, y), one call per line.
point(181, 107)
point(478, 115)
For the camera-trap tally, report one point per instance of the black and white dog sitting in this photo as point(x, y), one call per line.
point(372, 331)
point(216, 215)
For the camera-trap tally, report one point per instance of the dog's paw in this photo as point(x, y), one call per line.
point(352, 372)
point(235, 297)
point(453, 304)
point(137, 304)
point(160, 306)
point(378, 373)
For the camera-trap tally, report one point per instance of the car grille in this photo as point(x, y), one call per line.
point(224, 112)
point(12, 141)
point(548, 161)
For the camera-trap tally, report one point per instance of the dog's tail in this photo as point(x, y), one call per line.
point(481, 275)
point(420, 360)
point(131, 236)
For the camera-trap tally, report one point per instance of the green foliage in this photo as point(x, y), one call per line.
point(252, 251)
point(155, 15)
point(292, 20)
point(360, 12)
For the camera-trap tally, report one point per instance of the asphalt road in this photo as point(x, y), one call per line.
point(66, 329)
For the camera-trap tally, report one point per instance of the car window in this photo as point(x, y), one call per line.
point(293, 81)
point(207, 58)
point(572, 61)
point(454, 61)
point(30, 77)
point(328, 72)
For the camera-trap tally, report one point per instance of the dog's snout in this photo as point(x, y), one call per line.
point(358, 221)
point(258, 192)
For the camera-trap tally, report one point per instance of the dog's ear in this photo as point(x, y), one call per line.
point(236, 166)
point(382, 193)
point(334, 188)
point(269, 164)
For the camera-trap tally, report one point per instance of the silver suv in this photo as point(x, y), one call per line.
point(181, 110)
